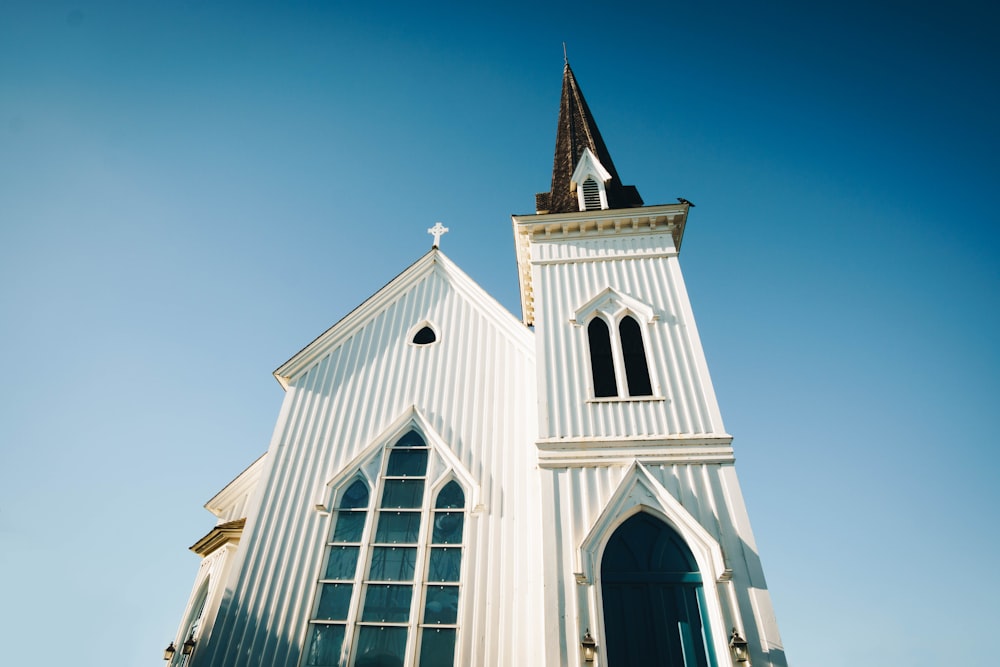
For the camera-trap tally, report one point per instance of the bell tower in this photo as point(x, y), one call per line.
point(634, 458)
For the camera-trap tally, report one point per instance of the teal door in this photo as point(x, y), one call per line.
point(653, 598)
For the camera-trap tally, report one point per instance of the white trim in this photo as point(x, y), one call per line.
point(590, 167)
point(410, 419)
point(433, 261)
point(613, 307)
point(640, 491)
point(370, 466)
point(417, 328)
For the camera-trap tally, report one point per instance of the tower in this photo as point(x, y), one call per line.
point(647, 541)
point(447, 485)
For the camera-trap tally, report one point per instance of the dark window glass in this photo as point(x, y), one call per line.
point(634, 356)
point(380, 646)
point(450, 497)
point(437, 647)
point(602, 365)
point(447, 528)
point(341, 563)
point(324, 646)
point(397, 527)
point(407, 463)
point(387, 603)
point(446, 564)
point(441, 605)
point(411, 439)
point(392, 563)
point(334, 601)
point(403, 493)
point(349, 526)
point(425, 336)
point(652, 597)
point(355, 497)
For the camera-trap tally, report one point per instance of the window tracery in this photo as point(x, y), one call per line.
point(390, 586)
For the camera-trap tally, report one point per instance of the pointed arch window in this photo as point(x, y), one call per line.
point(615, 356)
point(602, 364)
point(388, 593)
point(634, 358)
point(439, 622)
point(652, 598)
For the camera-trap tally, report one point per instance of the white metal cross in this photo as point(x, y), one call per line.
point(437, 231)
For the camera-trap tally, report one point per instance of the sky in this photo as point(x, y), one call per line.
point(191, 191)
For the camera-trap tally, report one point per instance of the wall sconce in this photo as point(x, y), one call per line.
point(589, 647)
point(168, 652)
point(188, 645)
point(738, 646)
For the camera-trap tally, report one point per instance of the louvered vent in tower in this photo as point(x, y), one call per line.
point(591, 195)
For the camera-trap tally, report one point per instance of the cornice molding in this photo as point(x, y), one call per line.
point(220, 535)
point(555, 227)
point(583, 452)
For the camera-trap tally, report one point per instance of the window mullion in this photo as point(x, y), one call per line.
point(618, 357)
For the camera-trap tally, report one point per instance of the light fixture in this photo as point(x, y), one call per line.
point(168, 652)
point(188, 645)
point(589, 647)
point(738, 646)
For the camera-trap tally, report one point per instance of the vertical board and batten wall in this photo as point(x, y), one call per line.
point(475, 388)
point(567, 273)
point(601, 440)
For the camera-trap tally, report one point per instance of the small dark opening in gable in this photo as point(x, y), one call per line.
point(425, 336)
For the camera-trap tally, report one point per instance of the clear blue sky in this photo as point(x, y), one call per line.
point(192, 191)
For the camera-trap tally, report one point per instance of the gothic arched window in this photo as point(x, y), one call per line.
point(616, 353)
point(634, 357)
point(385, 591)
point(439, 623)
point(602, 364)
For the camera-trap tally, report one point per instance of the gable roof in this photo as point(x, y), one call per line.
point(577, 130)
point(432, 261)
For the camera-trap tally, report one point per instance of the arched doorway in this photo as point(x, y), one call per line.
point(653, 598)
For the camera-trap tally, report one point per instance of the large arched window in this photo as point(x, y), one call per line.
point(389, 588)
point(653, 599)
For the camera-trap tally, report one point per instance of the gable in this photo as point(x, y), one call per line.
point(432, 267)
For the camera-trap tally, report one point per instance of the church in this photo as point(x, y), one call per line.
point(450, 485)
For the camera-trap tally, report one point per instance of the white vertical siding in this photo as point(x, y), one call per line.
point(476, 388)
point(569, 272)
point(574, 499)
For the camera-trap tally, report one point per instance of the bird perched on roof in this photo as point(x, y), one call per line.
point(685, 201)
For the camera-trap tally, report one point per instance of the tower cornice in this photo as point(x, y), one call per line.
point(594, 224)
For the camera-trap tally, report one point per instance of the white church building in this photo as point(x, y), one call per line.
point(451, 485)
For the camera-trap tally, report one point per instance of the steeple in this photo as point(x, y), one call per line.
point(576, 134)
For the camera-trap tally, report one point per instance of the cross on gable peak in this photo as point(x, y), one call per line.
point(437, 231)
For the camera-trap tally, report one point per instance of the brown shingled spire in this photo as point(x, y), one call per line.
point(576, 131)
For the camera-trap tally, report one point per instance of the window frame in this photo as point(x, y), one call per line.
point(613, 324)
point(443, 474)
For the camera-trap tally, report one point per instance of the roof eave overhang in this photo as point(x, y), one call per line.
point(220, 535)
